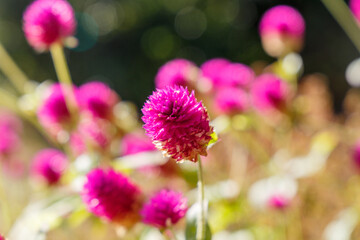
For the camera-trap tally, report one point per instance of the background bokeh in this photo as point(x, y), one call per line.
point(124, 42)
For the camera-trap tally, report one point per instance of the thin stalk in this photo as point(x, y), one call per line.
point(63, 74)
point(12, 71)
point(200, 230)
point(343, 16)
point(171, 229)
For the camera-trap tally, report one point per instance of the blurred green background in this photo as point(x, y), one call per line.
point(124, 42)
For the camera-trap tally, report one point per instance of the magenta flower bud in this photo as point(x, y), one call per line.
point(136, 143)
point(278, 202)
point(53, 110)
point(175, 72)
point(355, 9)
point(47, 22)
point(49, 165)
point(112, 196)
point(231, 100)
point(282, 30)
point(236, 75)
point(165, 208)
point(269, 92)
point(177, 123)
point(356, 154)
point(212, 70)
point(97, 99)
point(96, 132)
point(9, 140)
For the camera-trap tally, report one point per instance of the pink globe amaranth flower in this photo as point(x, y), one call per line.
point(9, 140)
point(356, 154)
point(355, 9)
point(212, 69)
point(77, 144)
point(282, 30)
point(133, 143)
point(47, 22)
point(269, 92)
point(177, 123)
point(53, 110)
point(236, 75)
point(49, 164)
point(278, 202)
point(10, 120)
point(175, 72)
point(166, 207)
point(96, 132)
point(112, 196)
point(231, 100)
point(97, 98)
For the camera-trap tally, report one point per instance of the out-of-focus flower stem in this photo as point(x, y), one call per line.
point(343, 16)
point(171, 229)
point(200, 230)
point(12, 71)
point(63, 74)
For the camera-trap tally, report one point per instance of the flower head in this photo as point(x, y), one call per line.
point(112, 196)
point(166, 207)
point(231, 100)
point(355, 9)
point(211, 70)
point(96, 132)
point(136, 143)
point(177, 123)
point(97, 98)
point(53, 110)
point(9, 140)
point(47, 22)
point(282, 30)
point(175, 72)
point(49, 164)
point(236, 75)
point(269, 92)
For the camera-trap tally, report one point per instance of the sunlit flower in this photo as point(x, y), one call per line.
point(175, 72)
point(231, 100)
point(49, 165)
point(47, 22)
point(236, 75)
point(53, 113)
point(112, 196)
point(133, 143)
point(269, 92)
point(282, 30)
point(165, 208)
point(211, 71)
point(177, 123)
point(355, 8)
point(97, 98)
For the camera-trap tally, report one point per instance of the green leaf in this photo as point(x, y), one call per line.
point(191, 224)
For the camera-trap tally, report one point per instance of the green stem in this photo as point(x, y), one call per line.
point(12, 71)
point(344, 17)
point(200, 230)
point(63, 74)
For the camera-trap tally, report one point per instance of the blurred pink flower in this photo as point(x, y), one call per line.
point(236, 75)
point(278, 202)
point(269, 92)
point(133, 143)
point(47, 22)
point(97, 98)
point(49, 164)
point(10, 120)
point(53, 110)
point(177, 123)
point(174, 72)
point(355, 9)
point(111, 195)
point(9, 140)
point(282, 30)
point(231, 100)
point(212, 69)
point(166, 207)
point(96, 132)
point(77, 144)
